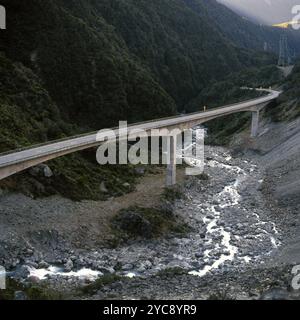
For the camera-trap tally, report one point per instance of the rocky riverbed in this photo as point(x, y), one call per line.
point(235, 232)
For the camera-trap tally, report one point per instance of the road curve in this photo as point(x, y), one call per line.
point(23, 159)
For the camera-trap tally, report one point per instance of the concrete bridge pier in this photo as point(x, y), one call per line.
point(171, 168)
point(255, 123)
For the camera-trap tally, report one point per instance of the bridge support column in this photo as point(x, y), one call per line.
point(255, 124)
point(171, 168)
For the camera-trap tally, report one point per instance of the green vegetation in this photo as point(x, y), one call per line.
point(221, 295)
point(203, 177)
point(78, 177)
point(221, 131)
point(29, 292)
point(28, 115)
point(99, 284)
point(85, 66)
point(173, 193)
point(171, 272)
point(288, 107)
point(229, 91)
point(138, 222)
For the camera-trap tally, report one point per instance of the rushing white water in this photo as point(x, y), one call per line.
point(275, 243)
point(130, 275)
point(229, 197)
point(211, 228)
point(226, 242)
point(52, 271)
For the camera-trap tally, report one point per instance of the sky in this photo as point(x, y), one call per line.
point(264, 11)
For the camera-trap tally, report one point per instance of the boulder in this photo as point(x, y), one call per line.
point(33, 279)
point(43, 264)
point(22, 272)
point(127, 267)
point(103, 188)
point(126, 185)
point(106, 270)
point(41, 170)
point(134, 223)
point(199, 254)
point(69, 265)
point(275, 294)
point(47, 172)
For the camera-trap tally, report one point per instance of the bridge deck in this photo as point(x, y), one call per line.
point(72, 144)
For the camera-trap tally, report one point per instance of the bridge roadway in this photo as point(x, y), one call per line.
point(19, 160)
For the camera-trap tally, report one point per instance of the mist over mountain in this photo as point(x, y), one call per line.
point(263, 11)
point(243, 32)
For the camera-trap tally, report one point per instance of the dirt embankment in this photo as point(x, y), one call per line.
point(54, 226)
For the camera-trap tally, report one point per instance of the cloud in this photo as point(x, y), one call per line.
point(266, 11)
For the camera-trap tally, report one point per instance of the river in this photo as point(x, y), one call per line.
point(231, 228)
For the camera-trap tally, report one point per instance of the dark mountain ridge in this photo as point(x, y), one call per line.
point(103, 61)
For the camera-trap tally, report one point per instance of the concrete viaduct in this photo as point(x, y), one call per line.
point(19, 160)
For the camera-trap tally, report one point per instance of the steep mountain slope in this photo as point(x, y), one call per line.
point(102, 61)
point(289, 103)
point(263, 11)
point(28, 114)
point(85, 67)
point(278, 145)
point(182, 48)
point(243, 32)
point(230, 90)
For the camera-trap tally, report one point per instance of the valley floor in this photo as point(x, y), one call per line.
point(242, 244)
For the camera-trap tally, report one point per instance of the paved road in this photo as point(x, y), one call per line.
point(73, 144)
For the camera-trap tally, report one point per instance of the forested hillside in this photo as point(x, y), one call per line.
point(28, 114)
point(182, 49)
point(229, 91)
point(86, 68)
point(102, 61)
point(289, 101)
point(242, 32)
